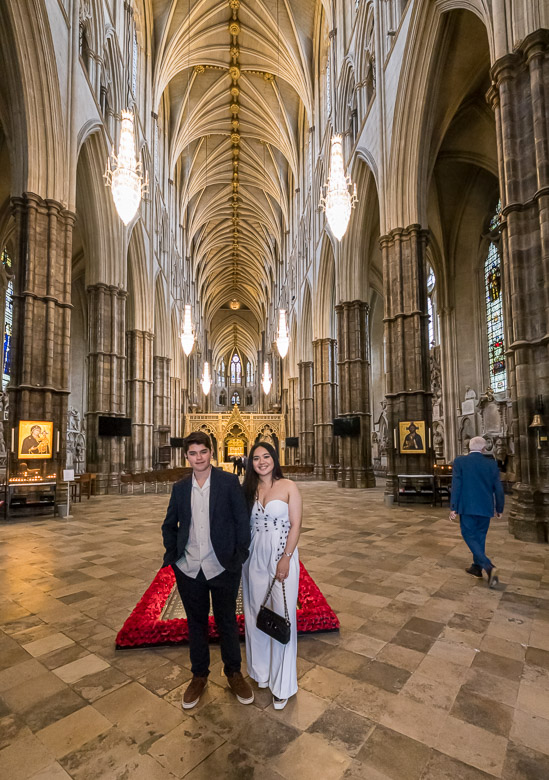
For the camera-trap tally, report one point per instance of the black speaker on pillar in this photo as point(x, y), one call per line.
point(177, 441)
point(292, 441)
point(346, 426)
point(114, 426)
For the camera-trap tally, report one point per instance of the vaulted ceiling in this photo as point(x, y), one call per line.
point(236, 80)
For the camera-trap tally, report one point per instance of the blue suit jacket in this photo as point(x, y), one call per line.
point(476, 486)
point(229, 520)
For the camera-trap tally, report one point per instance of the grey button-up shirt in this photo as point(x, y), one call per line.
point(199, 552)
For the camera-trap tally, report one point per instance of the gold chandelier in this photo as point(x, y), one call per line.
point(206, 380)
point(187, 335)
point(124, 174)
point(266, 379)
point(282, 337)
point(340, 193)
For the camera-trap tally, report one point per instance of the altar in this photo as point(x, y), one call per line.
point(233, 433)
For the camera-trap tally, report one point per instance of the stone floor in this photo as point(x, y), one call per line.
point(433, 675)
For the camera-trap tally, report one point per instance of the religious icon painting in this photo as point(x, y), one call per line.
point(412, 437)
point(35, 439)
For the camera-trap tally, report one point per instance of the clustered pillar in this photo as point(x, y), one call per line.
point(106, 380)
point(325, 396)
point(39, 383)
point(519, 98)
point(162, 409)
point(408, 384)
point(355, 463)
point(139, 346)
point(306, 414)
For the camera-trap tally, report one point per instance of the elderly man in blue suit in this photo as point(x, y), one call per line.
point(476, 492)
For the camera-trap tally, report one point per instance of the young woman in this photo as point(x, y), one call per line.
point(275, 505)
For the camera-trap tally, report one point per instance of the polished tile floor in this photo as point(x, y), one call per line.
point(433, 676)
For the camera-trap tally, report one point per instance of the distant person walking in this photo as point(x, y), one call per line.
point(476, 492)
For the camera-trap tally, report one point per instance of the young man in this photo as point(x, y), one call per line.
point(476, 491)
point(206, 534)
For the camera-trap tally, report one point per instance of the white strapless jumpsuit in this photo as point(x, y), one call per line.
point(268, 661)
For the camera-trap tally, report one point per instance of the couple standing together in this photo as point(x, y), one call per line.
point(216, 532)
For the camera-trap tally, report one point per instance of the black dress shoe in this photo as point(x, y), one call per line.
point(475, 570)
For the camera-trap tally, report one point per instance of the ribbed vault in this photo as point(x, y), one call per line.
point(235, 82)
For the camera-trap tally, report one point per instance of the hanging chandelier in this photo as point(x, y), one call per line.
point(206, 380)
point(340, 194)
point(187, 335)
point(266, 379)
point(282, 337)
point(124, 174)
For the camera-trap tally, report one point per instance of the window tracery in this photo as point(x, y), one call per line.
point(236, 370)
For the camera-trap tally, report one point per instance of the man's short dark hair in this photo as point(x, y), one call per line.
point(197, 437)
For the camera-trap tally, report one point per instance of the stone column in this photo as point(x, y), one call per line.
point(175, 417)
point(293, 417)
point(39, 383)
point(325, 391)
point(306, 414)
point(408, 378)
point(161, 409)
point(106, 380)
point(355, 452)
point(139, 392)
point(519, 98)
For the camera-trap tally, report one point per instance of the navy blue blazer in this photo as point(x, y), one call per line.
point(476, 486)
point(229, 520)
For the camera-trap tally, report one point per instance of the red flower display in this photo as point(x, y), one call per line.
point(144, 627)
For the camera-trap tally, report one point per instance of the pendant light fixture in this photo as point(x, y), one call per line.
point(282, 337)
point(340, 193)
point(206, 380)
point(124, 174)
point(266, 379)
point(187, 334)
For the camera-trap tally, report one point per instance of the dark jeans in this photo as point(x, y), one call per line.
point(474, 529)
point(195, 595)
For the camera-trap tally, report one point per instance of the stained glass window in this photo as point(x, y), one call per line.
point(235, 399)
point(494, 320)
point(249, 374)
point(8, 324)
point(236, 370)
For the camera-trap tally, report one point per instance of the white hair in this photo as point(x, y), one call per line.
point(477, 444)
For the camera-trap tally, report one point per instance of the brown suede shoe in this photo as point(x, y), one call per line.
point(240, 688)
point(193, 692)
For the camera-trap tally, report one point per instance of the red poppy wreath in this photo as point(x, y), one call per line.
point(149, 623)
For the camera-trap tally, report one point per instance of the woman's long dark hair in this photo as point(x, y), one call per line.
point(251, 478)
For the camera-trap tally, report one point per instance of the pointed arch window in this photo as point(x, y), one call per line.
point(328, 84)
point(494, 318)
point(249, 374)
point(432, 308)
point(134, 61)
point(235, 399)
point(8, 324)
point(236, 370)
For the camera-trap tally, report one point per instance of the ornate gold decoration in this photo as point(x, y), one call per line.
point(234, 5)
point(235, 138)
point(235, 108)
point(234, 28)
point(268, 77)
point(234, 72)
point(199, 69)
point(235, 92)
